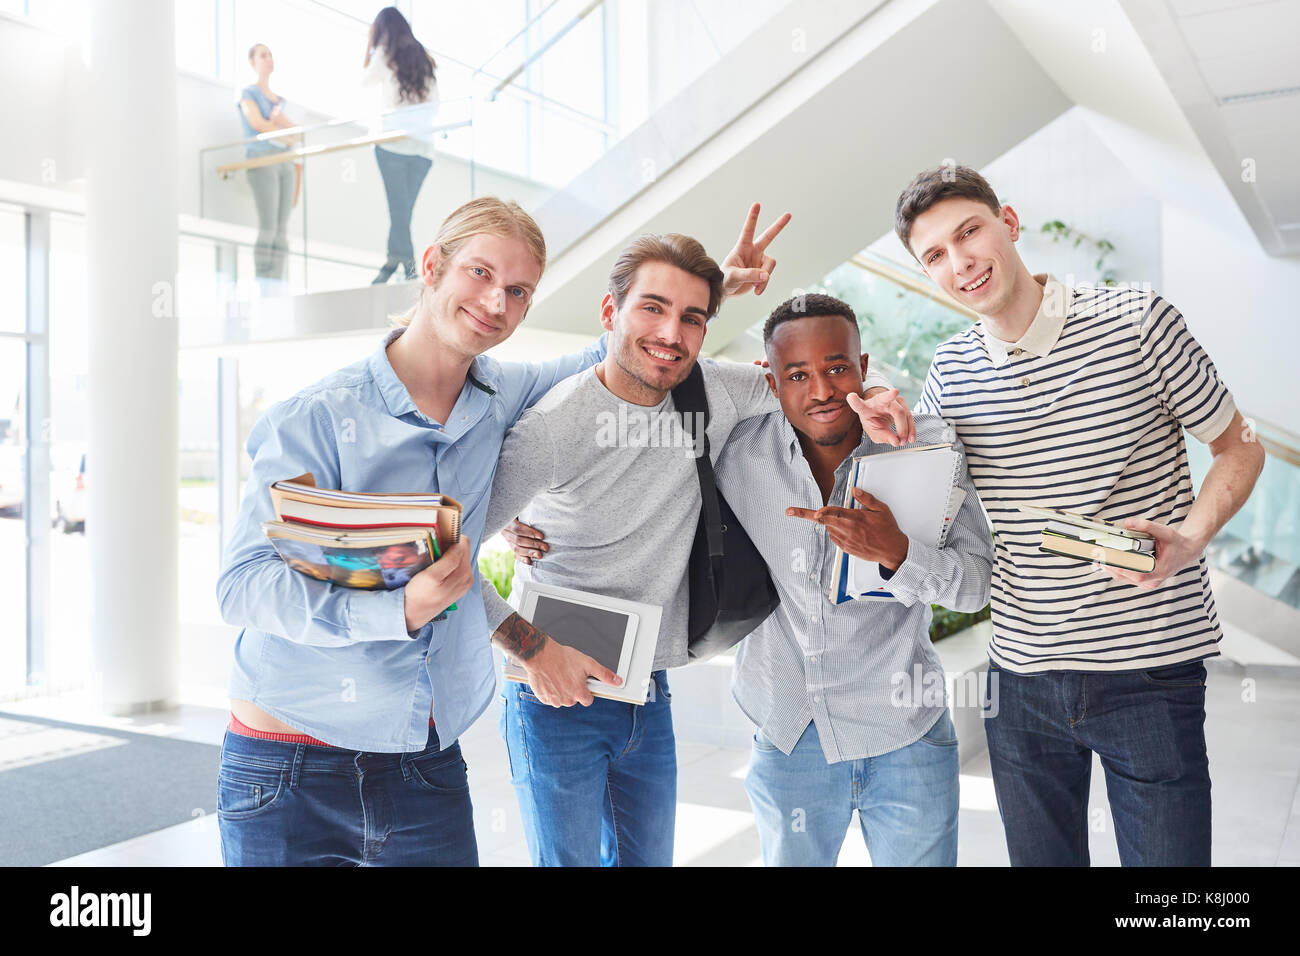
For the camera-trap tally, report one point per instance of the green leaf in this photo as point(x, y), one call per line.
point(499, 568)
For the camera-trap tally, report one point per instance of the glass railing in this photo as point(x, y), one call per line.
point(540, 122)
point(306, 209)
point(1260, 544)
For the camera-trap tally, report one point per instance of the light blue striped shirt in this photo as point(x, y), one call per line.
point(853, 669)
point(337, 663)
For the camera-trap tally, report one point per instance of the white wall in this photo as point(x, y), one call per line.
point(1064, 171)
point(37, 106)
point(1237, 300)
point(1241, 305)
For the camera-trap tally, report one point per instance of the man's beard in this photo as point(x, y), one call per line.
point(831, 441)
point(633, 373)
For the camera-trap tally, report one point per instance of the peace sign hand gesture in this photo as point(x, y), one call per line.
point(747, 266)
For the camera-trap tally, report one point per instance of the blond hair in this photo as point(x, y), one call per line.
point(486, 215)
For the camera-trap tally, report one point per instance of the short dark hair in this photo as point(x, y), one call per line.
point(932, 186)
point(674, 249)
point(806, 306)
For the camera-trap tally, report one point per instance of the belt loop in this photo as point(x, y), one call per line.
point(299, 752)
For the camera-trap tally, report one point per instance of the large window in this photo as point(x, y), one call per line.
point(198, 36)
point(317, 52)
point(13, 461)
point(13, 550)
point(13, 265)
point(67, 637)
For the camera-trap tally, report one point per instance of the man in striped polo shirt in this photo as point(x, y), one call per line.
point(1076, 400)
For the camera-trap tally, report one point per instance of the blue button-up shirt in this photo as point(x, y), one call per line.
point(337, 663)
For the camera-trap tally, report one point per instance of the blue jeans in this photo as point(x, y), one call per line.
point(907, 801)
point(1148, 727)
point(597, 785)
point(285, 804)
point(403, 174)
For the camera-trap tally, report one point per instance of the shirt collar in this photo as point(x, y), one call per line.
point(1043, 332)
point(483, 375)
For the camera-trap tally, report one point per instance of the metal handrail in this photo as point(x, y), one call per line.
point(292, 155)
point(1286, 446)
point(444, 106)
point(913, 283)
point(524, 29)
point(563, 31)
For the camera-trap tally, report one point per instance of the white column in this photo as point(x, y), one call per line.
point(132, 465)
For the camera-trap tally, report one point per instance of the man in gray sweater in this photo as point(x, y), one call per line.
point(597, 783)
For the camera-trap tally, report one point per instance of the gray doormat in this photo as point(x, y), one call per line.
point(67, 788)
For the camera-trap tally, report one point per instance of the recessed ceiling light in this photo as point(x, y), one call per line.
point(1259, 95)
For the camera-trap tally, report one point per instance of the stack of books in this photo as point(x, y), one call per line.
point(359, 539)
point(1077, 536)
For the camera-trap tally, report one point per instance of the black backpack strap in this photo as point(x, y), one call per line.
point(690, 400)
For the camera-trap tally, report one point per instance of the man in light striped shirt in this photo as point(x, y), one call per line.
point(1076, 400)
point(847, 698)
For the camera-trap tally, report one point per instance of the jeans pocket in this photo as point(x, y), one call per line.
point(943, 733)
point(1179, 675)
point(245, 792)
point(526, 694)
point(762, 744)
point(441, 772)
point(661, 685)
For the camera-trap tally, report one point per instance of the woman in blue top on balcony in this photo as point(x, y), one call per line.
point(275, 186)
point(405, 72)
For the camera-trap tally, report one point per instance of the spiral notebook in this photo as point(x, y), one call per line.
point(919, 486)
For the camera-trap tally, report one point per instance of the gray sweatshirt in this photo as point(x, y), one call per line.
point(613, 487)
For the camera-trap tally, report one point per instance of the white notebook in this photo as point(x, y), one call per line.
point(918, 485)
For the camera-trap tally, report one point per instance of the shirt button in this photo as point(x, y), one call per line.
point(1024, 382)
point(1017, 351)
point(814, 658)
point(813, 618)
point(817, 698)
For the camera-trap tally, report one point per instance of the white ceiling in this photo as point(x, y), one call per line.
point(1234, 68)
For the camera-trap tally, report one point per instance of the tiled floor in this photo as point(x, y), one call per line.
point(1253, 731)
